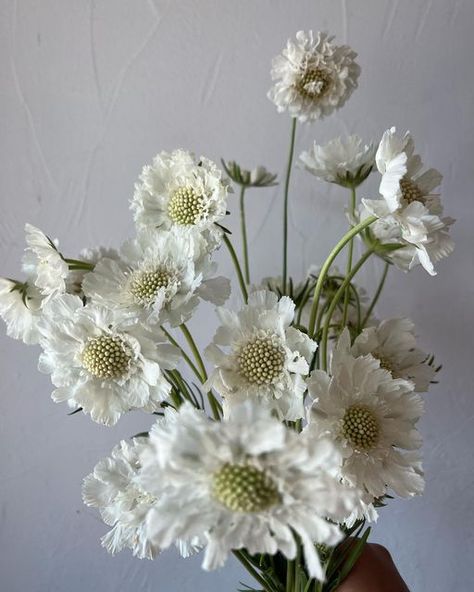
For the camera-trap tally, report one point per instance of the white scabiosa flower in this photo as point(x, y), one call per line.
point(347, 162)
point(314, 77)
point(257, 177)
point(263, 356)
point(247, 482)
point(101, 362)
point(159, 278)
point(372, 416)
point(178, 192)
point(393, 343)
point(43, 262)
point(20, 308)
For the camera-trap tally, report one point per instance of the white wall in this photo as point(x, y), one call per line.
point(92, 90)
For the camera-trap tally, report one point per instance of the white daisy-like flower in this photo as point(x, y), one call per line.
point(257, 177)
point(159, 278)
point(347, 162)
point(178, 192)
point(101, 362)
point(372, 416)
point(245, 483)
point(393, 344)
point(20, 308)
point(43, 262)
point(263, 356)
point(91, 257)
point(314, 77)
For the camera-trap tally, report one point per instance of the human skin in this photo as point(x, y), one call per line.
point(375, 571)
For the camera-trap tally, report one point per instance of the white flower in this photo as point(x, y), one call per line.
point(44, 263)
point(346, 162)
point(393, 344)
point(247, 482)
point(372, 416)
point(101, 362)
point(91, 257)
point(20, 305)
point(176, 191)
point(159, 278)
point(314, 76)
point(267, 358)
point(257, 177)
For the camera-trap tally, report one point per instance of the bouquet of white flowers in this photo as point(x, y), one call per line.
point(303, 424)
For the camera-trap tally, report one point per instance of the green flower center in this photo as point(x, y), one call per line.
point(185, 206)
point(144, 285)
point(410, 191)
point(262, 360)
point(314, 83)
point(106, 357)
point(360, 427)
point(244, 488)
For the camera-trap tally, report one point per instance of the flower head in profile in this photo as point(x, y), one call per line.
point(246, 482)
point(314, 77)
point(393, 343)
point(347, 162)
point(372, 416)
point(101, 362)
point(20, 308)
point(257, 354)
point(257, 177)
point(178, 192)
point(159, 277)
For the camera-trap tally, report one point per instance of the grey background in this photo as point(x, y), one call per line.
point(90, 91)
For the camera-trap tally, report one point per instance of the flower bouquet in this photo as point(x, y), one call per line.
point(284, 447)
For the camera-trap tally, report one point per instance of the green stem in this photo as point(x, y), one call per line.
point(76, 264)
point(285, 206)
point(187, 359)
point(350, 252)
point(290, 574)
point(376, 295)
point(253, 572)
point(238, 269)
point(334, 302)
point(243, 227)
point(355, 230)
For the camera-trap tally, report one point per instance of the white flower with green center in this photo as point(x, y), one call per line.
point(179, 192)
point(372, 417)
point(20, 308)
point(160, 277)
point(393, 343)
point(101, 362)
point(246, 482)
point(347, 162)
point(257, 354)
point(314, 77)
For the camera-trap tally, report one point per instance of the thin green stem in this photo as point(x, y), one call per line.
point(186, 358)
point(76, 264)
point(243, 227)
point(376, 295)
point(253, 572)
point(285, 204)
point(238, 269)
point(290, 575)
point(355, 230)
point(334, 303)
point(350, 252)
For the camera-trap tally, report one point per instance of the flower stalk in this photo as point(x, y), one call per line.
point(285, 203)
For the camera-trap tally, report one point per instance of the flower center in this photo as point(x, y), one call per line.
point(410, 191)
point(144, 285)
point(262, 360)
point(244, 488)
point(314, 84)
point(360, 427)
point(106, 357)
point(185, 206)
point(385, 362)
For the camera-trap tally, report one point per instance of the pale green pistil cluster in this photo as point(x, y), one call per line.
point(145, 285)
point(360, 427)
point(106, 357)
point(244, 488)
point(185, 206)
point(314, 83)
point(410, 191)
point(262, 360)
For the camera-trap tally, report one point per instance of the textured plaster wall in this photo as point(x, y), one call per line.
point(91, 90)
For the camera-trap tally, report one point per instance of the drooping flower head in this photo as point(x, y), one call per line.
point(178, 192)
point(314, 77)
point(257, 354)
point(101, 362)
point(246, 482)
point(20, 308)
